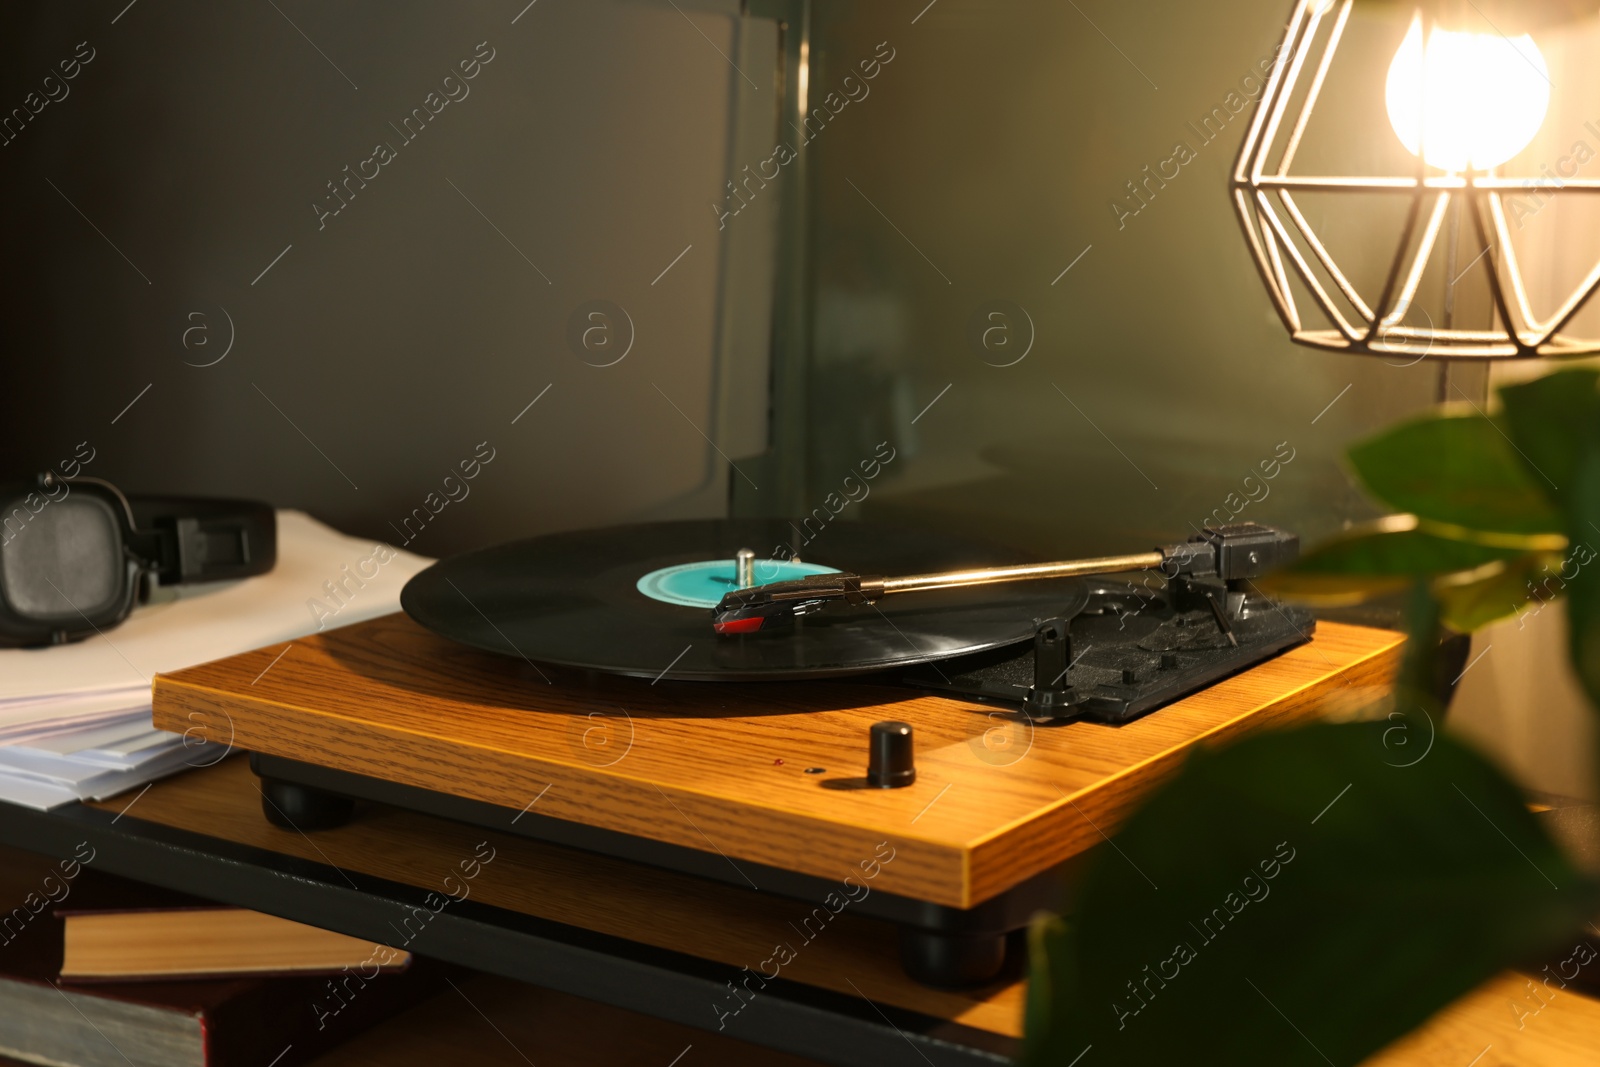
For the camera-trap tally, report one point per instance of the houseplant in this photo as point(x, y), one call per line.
point(1306, 897)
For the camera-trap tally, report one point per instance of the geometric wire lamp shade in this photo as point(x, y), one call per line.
point(1447, 282)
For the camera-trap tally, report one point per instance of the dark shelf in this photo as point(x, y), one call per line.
point(785, 1016)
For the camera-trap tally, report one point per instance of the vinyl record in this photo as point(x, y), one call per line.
point(636, 600)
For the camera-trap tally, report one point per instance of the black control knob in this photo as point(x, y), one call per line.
point(891, 758)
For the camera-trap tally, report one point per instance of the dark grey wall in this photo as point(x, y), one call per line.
point(392, 338)
point(984, 162)
point(142, 208)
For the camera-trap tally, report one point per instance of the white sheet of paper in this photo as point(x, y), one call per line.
point(73, 705)
point(33, 794)
point(21, 734)
point(135, 746)
point(34, 791)
point(86, 776)
point(66, 742)
point(123, 755)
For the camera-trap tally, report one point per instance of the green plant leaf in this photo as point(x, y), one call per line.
point(1302, 898)
point(1418, 682)
point(1378, 558)
point(1555, 422)
point(1497, 591)
point(1457, 471)
point(1038, 1001)
point(1397, 547)
point(1552, 420)
point(1583, 587)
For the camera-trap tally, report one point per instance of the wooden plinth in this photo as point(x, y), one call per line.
point(722, 768)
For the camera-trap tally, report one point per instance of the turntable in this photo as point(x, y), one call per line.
point(916, 727)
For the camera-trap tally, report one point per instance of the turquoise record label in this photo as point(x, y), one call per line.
point(703, 585)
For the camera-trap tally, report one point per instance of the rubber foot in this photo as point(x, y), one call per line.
point(301, 807)
point(951, 961)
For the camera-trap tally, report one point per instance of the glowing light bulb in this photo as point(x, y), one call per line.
point(1466, 100)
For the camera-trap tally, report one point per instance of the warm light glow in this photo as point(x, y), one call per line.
point(1467, 100)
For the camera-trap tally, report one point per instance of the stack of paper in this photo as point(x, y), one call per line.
point(75, 719)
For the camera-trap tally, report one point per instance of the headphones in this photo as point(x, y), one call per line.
point(76, 554)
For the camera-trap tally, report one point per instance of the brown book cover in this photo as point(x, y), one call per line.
point(204, 1023)
point(208, 941)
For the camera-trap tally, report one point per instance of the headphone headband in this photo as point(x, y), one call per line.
point(205, 539)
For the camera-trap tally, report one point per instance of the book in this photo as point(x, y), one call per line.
point(206, 942)
point(192, 1023)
